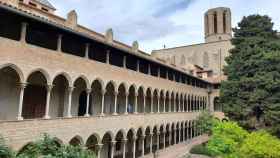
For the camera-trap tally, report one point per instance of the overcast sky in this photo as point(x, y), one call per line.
point(154, 23)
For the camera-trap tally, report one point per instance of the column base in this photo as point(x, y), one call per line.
point(102, 115)
point(126, 113)
point(69, 116)
point(19, 118)
point(135, 113)
point(115, 114)
point(47, 117)
point(86, 115)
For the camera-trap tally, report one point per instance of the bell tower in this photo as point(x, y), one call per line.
point(217, 24)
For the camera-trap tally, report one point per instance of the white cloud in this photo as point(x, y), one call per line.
point(157, 22)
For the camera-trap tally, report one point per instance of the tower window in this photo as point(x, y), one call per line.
point(207, 24)
point(215, 23)
point(224, 21)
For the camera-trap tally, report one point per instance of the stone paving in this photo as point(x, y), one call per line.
point(182, 149)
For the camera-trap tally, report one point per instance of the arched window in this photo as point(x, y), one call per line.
point(215, 23)
point(224, 22)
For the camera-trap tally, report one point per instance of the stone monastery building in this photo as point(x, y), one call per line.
point(85, 88)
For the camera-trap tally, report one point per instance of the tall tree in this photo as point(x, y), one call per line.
point(251, 95)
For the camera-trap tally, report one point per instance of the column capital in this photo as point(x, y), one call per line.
point(116, 93)
point(71, 89)
point(113, 142)
point(103, 91)
point(136, 94)
point(49, 87)
point(22, 85)
point(134, 138)
point(99, 146)
point(88, 90)
point(124, 140)
point(126, 94)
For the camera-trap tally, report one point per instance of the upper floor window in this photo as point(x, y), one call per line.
point(224, 21)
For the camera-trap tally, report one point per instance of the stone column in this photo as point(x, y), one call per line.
point(144, 104)
point(134, 146)
point(138, 66)
point(113, 144)
point(198, 103)
point(158, 141)
point(170, 136)
point(143, 145)
point(124, 141)
point(158, 73)
point(174, 104)
point(102, 101)
point(124, 62)
point(108, 57)
point(88, 96)
point(187, 106)
point(21, 94)
point(184, 133)
point(152, 104)
point(169, 104)
point(164, 133)
point(59, 42)
point(126, 102)
point(23, 32)
point(179, 131)
point(179, 104)
point(151, 142)
point(158, 102)
point(70, 91)
point(149, 69)
point(49, 90)
point(87, 50)
point(183, 108)
point(175, 135)
point(187, 132)
point(164, 100)
point(136, 103)
point(191, 132)
point(99, 147)
point(115, 103)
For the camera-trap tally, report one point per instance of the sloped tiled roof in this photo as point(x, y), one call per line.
point(46, 3)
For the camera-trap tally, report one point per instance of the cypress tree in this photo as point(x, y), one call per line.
point(251, 95)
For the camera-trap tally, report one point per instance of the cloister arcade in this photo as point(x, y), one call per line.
point(136, 142)
point(39, 96)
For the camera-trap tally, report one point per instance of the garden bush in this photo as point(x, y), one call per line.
point(200, 149)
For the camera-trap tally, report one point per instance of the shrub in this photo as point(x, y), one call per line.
point(48, 148)
point(260, 145)
point(226, 138)
point(200, 150)
point(5, 151)
point(206, 122)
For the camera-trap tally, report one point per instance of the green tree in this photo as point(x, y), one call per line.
point(206, 122)
point(251, 95)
